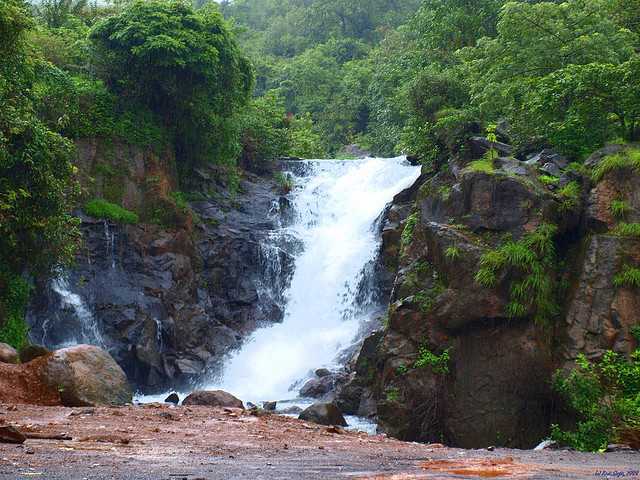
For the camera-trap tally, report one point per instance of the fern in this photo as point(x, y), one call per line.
point(452, 253)
point(628, 230)
point(619, 209)
point(407, 233)
point(629, 277)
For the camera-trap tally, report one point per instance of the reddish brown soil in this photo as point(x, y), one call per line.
point(23, 384)
point(198, 443)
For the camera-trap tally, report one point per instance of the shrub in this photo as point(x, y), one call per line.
point(100, 208)
point(606, 397)
point(407, 233)
point(13, 304)
point(284, 181)
point(531, 262)
point(438, 363)
point(627, 160)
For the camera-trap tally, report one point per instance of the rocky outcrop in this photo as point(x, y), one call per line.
point(458, 362)
point(214, 398)
point(87, 376)
point(170, 296)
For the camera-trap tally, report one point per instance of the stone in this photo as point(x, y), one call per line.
point(316, 387)
point(323, 413)
point(548, 156)
point(618, 447)
point(596, 157)
point(322, 372)
point(551, 169)
point(213, 398)
point(9, 434)
point(480, 146)
point(270, 406)
point(172, 398)
point(8, 354)
point(512, 166)
point(87, 376)
point(293, 410)
point(31, 352)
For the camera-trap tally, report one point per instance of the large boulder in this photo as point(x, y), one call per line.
point(31, 352)
point(8, 354)
point(86, 375)
point(213, 398)
point(323, 413)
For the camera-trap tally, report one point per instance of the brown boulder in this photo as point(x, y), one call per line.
point(87, 376)
point(323, 413)
point(31, 352)
point(8, 354)
point(213, 398)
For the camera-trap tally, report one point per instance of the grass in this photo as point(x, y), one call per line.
point(570, 195)
point(619, 209)
point(627, 160)
point(284, 181)
point(631, 230)
point(484, 165)
point(629, 277)
point(548, 179)
point(452, 253)
point(99, 208)
point(531, 263)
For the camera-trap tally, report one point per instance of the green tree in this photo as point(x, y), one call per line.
point(185, 66)
point(37, 233)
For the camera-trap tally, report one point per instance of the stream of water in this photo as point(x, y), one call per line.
point(336, 205)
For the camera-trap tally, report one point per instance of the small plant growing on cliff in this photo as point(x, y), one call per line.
point(99, 208)
point(548, 180)
point(284, 181)
point(438, 363)
point(619, 209)
point(570, 196)
point(631, 230)
point(605, 395)
point(628, 160)
point(531, 264)
point(452, 253)
point(393, 394)
point(407, 234)
point(629, 277)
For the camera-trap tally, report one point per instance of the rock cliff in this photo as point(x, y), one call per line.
point(169, 296)
point(503, 274)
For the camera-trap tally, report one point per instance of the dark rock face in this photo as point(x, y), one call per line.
point(215, 398)
point(323, 413)
point(169, 302)
point(496, 389)
point(172, 398)
point(9, 434)
point(31, 352)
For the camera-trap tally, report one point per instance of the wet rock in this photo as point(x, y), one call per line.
point(86, 375)
point(293, 410)
point(172, 398)
point(323, 413)
point(322, 372)
point(316, 387)
point(551, 169)
point(31, 352)
point(511, 166)
point(8, 354)
point(213, 398)
point(9, 434)
point(270, 406)
point(548, 156)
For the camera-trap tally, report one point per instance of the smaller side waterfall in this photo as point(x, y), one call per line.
point(78, 314)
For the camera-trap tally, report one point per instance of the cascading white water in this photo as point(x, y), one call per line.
point(336, 205)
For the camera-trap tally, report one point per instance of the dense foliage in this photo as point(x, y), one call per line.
point(37, 232)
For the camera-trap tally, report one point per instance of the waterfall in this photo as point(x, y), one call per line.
point(336, 204)
point(86, 330)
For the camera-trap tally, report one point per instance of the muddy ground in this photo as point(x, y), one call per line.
point(195, 443)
